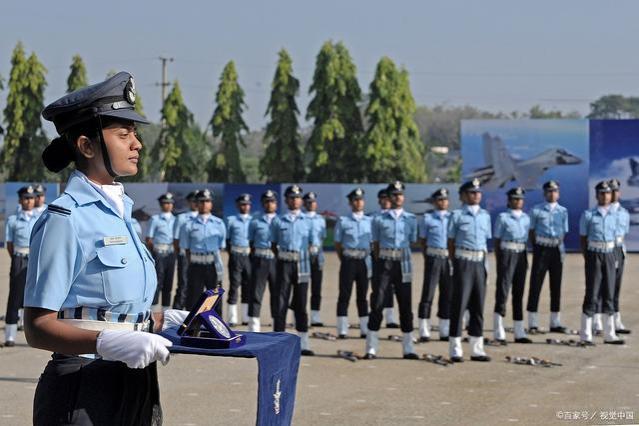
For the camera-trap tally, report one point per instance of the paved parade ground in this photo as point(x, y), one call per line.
point(598, 385)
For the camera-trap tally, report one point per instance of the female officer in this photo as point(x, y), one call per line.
point(90, 280)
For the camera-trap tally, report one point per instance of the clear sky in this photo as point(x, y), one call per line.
point(498, 55)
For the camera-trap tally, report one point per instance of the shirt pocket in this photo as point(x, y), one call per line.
point(122, 274)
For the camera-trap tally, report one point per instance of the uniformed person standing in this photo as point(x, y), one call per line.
point(316, 250)
point(468, 230)
point(237, 229)
point(40, 204)
point(179, 300)
point(262, 260)
point(623, 228)
point(548, 226)
point(598, 230)
point(353, 239)
point(159, 240)
point(91, 280)
point(202, 238)
point(291, 237)
point(392, 234)
point(511, 237)
point(17, 234)
point(383, 200)
point(433, 232)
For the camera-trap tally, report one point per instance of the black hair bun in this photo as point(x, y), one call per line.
point(57, 155)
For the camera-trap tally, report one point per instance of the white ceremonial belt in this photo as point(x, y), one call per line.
point(390, 254)
point(288, 256)
point(619, 241)
point(314, 250)
point(244, 251)
point(355, 253)
point(203, 258)
point(472, 255)
point(548, 242)
point(21, 251)
point(601, 246)
point(94, 325)
point(266, 253)
point(513, 246)
point(437, 252)
point(163, 248)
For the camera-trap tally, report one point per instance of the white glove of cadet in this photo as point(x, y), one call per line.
point(136, 349)
point(173, 318)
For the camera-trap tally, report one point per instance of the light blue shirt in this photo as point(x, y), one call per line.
point(161, 229)
point(549, 223)
point(434, 229)
point(353, 233)
point(203, 237)
point(260, 232)
point(18, 228)
point(468, 230)
point(623, 220)
point(237, 229)
point(394, 233)
point(180, 220)
point(509, 227)
point(596, 227)
point(318, 229)
point(90, 257)
point(291, 233)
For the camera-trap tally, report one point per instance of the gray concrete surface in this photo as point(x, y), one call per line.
point(596, 382)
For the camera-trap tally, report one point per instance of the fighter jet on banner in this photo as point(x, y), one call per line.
point(502, 167)
point(633, 179)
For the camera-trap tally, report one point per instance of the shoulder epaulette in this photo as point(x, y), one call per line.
point(58, 210)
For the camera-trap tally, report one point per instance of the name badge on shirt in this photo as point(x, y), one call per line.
point(114, 241)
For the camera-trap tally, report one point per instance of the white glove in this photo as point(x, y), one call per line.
point(173, 318)
point(136, 349)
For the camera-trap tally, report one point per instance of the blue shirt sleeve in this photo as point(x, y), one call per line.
point(499, 228)
point(223, 231)
point(54, 263)
point(583, 224)
point(452, 231)
point(489, 227)
point(275, 235)
point(413, 229)
point(375, 228)
point(565, 221)
point(8, 229)
point(421, 228)
point(251, 230)
point(337, 232)
point(184, 237)
point(150, 233)
point(533, 219)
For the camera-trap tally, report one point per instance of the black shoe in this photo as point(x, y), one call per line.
point(392, 325)
point(523, 340)
point(370, 356)
point(307, 352)
point(456, 359)
point(411, 356)
point(615, 342)
point(20, 328)
point(561, 329)
point(533, 330)
point(342, 336)
point(317, 324)
point(502, 342)
point(586, 343)
point(244, 323)
point(9, 343)
point(622, 331)
point(362, 336)
point(480, 358)
point(424, 339)
point(443, 338)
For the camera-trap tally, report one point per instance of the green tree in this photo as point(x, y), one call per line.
point(25, 139)
point(283, 161)
point(614, 107)
point(172, 155)
point(78, 75)
point(393, 146)
point(229, 127)
point(334, 146)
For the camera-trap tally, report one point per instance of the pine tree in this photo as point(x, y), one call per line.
point(393, 147)
point(283, 161)
point(334, 144)
point(229, 126)
point(172, 152)
point(25, 139)
point(78, 75)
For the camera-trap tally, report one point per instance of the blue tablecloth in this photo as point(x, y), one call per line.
point(278, 360)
